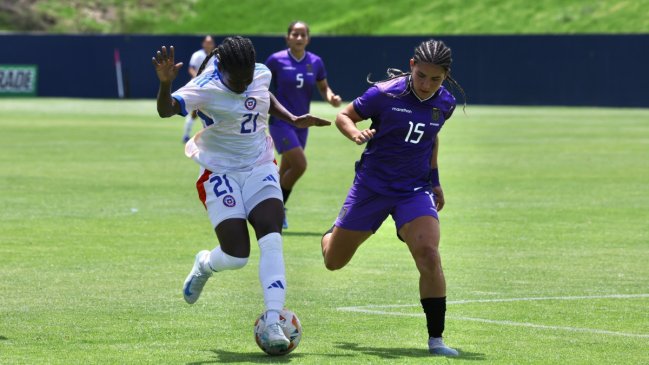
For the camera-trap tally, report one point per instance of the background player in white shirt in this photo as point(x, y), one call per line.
point(239, 179)
point(195, 63)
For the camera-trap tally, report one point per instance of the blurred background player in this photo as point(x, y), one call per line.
point(194, 64)
point(397, 174)
point(295, 74)
point(238, 180)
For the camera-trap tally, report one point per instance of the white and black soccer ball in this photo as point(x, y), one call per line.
point(290, 325)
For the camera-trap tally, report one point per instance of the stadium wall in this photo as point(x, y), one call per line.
point(579, 70)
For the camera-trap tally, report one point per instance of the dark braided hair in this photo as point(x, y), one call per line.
point(430, 51)
point(234, 54)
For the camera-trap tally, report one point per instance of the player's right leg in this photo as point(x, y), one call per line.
point(221, 195)
point(361, 215)
point(340, 244)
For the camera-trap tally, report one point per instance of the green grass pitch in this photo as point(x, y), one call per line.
point(548, 207)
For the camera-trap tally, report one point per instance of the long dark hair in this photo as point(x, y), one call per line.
point(430, 51)
point(234, 53)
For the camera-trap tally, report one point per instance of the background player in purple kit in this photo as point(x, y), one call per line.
point(397, 174)
point(295, 73)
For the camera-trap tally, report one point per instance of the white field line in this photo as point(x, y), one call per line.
point(366, 309)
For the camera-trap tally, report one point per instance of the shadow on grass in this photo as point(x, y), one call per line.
point(396, 353)
point(3, 338)
point(302, 234)
point(225, 357)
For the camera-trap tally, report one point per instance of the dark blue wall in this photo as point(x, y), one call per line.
point(597, 70)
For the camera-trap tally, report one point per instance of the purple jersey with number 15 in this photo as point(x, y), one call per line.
point(295, 80)
point(397, 160)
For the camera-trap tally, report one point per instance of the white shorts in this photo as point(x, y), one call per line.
point(235, 194)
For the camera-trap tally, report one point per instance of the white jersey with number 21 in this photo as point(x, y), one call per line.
point(234, 135)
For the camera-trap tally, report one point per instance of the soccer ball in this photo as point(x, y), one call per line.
point(292, 329)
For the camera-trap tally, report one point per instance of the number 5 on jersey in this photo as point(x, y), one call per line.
point(299, 78)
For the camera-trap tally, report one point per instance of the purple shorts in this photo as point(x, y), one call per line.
point(285, 136)
point(365, 210)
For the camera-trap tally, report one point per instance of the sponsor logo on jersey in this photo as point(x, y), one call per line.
point(229, 201)
point(436, 114)
point(288, 68)
point(250, 103)
point(402, 110)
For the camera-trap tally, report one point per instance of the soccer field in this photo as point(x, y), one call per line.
point(545, 244)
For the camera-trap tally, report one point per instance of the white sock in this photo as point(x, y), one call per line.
point(272, 275)
point(218, 260)
point(272, 317)
point(189, 122)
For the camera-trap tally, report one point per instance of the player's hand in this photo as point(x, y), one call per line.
point(163, 63)
point(439, 197)
point(308, 120)
point(335, 101)
point(364, 136)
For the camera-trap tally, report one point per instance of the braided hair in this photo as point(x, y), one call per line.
point(234, 54)
point(430, 51)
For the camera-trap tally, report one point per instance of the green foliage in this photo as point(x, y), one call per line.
point(100, 222)
point(349, 16)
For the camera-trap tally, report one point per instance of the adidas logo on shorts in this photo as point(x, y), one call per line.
point(269, 178)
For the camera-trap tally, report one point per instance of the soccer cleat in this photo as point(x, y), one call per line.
point(436, 346)
point(285, 223)
point(196, 279)
point(275, 338)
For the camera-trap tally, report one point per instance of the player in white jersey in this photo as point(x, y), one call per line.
point(239, 180)
point(195, 63)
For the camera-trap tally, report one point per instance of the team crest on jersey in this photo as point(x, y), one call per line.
point(229, 201)
point(309, 68)
point(250, 103)
point(436, 114)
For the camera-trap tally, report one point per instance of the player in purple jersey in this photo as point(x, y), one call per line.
point(296, 72)
point(397, 174)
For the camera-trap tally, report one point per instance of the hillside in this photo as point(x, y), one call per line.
point(353, 17)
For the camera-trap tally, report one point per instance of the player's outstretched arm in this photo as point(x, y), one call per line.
point(346, 122)
point(166, 70)
point(303, 121)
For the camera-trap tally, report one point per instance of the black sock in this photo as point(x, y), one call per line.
point(285, 194)
point(435, 310)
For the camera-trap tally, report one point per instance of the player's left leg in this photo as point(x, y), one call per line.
point(422, 235)
point(290, 143)
point(263, 200)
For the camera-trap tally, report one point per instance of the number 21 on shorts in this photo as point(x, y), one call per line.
point(218, 181)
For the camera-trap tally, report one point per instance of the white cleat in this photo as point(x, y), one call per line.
point(275, 338)
point(196, 279)
point(436, 346)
